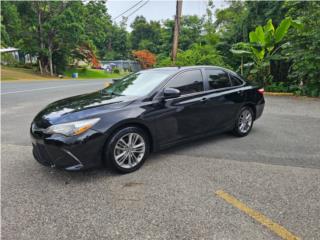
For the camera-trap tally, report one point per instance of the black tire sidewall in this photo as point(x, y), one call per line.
point(236, 130)
point(109, 148)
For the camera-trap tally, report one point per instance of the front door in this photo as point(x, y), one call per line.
point(184, 116)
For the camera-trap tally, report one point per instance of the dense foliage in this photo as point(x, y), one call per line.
point(145, 58)
point(276, 44)
point(304, 49)
point(57, 31)
point(292, 64)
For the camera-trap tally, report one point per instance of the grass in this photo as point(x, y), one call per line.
point(12, 73)
point(87, 73)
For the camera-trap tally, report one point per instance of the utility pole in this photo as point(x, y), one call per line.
point(176, 31)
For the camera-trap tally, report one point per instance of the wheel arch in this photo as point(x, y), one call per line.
point(140, 125)
point(253, 107)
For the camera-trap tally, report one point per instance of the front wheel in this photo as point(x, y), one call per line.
point(127, 149)
point(244, 122)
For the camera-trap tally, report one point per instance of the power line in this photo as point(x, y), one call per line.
point(138, 8)
point(128, 9)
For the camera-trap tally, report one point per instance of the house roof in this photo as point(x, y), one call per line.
point(10, 49)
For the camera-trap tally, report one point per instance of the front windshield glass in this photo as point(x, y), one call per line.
point(138, 84)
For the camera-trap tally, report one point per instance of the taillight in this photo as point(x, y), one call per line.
point(261, 91)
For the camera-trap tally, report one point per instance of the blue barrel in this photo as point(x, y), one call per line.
point(74, 75)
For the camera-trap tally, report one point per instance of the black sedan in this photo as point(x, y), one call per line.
point(141, 113)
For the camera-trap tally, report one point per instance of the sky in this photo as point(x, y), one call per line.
point(158, 9)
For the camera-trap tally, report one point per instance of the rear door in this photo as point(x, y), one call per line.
point(224, 99)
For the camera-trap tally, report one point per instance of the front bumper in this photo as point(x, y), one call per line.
point(70, 153)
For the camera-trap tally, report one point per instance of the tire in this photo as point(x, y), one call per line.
point(123, 156)
point(244, 122)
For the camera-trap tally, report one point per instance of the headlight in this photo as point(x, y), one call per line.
point(72, 128)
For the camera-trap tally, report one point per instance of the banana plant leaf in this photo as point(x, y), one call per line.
point(241, 52)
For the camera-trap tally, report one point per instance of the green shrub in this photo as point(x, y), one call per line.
point(278, 87)
point(116, 70)
point(196, 55)
point(8, 59)
point(164, 62)
point(200, 55)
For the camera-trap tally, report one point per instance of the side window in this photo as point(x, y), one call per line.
point(187, 82)
point(235, 80)
point(218, 79)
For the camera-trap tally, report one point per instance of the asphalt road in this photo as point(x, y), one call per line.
point(275, 171)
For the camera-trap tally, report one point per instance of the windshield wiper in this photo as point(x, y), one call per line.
point(115, 93)
point(111, 92)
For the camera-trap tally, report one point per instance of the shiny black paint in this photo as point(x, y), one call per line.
point(167, 121)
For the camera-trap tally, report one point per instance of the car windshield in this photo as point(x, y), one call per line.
point(138, 84)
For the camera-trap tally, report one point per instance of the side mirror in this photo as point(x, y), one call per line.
point(171, 93)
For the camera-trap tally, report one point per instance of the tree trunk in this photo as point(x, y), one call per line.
point(50, 61)
point(40, 66)
point(50, 65)
point(40, 37)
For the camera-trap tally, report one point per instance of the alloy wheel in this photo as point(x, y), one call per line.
point(245, 121)
point(129, 150)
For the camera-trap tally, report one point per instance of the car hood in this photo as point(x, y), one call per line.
point(80, 107)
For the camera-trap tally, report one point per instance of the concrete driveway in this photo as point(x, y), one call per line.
point(191, 191)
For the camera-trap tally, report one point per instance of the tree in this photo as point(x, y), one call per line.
point(145, 35)
point(51, 30)
point(55, 30)
point(243, 51)
point(232, 28)
point(265, 43)
point(166, 35)
point(145, 58)
point(4, 35)
point(258, 13)
point(304, 48)
point(118, 47)
point(10, 24)
point(200, 55)
point(191, 31)
point(98, 27)
point(196, 55)
point(209, 35)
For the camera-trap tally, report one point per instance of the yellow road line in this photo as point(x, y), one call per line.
point(276, 228)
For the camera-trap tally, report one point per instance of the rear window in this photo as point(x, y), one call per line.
point(235, 80)
point(218, 79)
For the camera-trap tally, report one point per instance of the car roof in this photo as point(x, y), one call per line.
point(176, 69)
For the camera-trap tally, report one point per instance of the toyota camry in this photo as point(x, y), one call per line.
point(142, 113)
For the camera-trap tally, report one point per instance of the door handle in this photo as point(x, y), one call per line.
point(204, 100)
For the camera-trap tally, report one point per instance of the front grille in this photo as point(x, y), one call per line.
point(41, 155)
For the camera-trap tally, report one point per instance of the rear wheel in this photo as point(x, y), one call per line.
point(244, 122)
point(127, 149)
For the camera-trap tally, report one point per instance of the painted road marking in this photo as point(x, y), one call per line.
point(47, 88)
point(276, 228)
